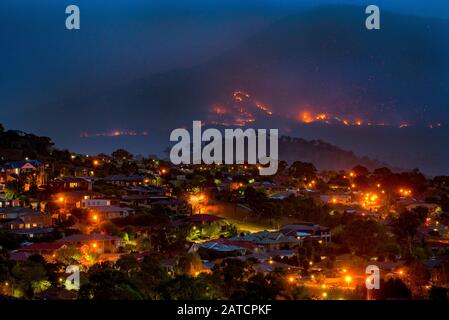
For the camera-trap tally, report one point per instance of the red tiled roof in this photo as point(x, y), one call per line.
point(44, 246)
point(244, 244)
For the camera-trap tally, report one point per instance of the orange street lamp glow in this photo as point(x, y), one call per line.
point(96, 162)
point(291, 279)
point(348, 279)
point(61, 199)
point(95, 217)
point(94, 245)
point(324, 294)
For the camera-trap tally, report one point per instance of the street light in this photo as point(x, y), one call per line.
point(348, 280)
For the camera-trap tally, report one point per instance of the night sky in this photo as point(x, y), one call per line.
point(139, 68)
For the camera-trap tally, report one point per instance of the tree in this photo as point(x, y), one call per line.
point(418, 277)
point(110, 228)
point(191, 264)
point(365, 237)
point(4, 270)
point(68, 255)
point(394, 288)
point(2, 128)
point(406, 225)
point(108, 283)
point(29, 275)
point(438, 293)
point(188, 288)
point(382, 172)
point(360, 171)
point(127, 263)
point(302, 170)
point(121, 154)
point(282, 167)
point(258, 287)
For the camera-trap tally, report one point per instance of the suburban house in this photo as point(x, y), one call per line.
point(313, 231)
point(177, 206)
point(25, 223)
point(3, 176)
point(104, 208)
point(123, 180)
point(270, 240)
point(98, 243)
point(46, 249)
point(9, 203)
point(71, 183)
point(138, 200)
point(111, 212)
point(83, 172)
point(71, 199)
point(432, 208)
point(16, 218)
point(283, 195)
point(145, 190)
point(33, 171)
point(344, 199)
point(223, 247)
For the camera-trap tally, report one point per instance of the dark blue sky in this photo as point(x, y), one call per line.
point(122, 40)
point(47, 72)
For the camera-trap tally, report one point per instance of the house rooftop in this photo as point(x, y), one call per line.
point(20, 164)
point(304, 227)
point(32, 231)
point(122, 177)
point(110, 209)
point(88, 237)
point(43, 246)
point(19, 211)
